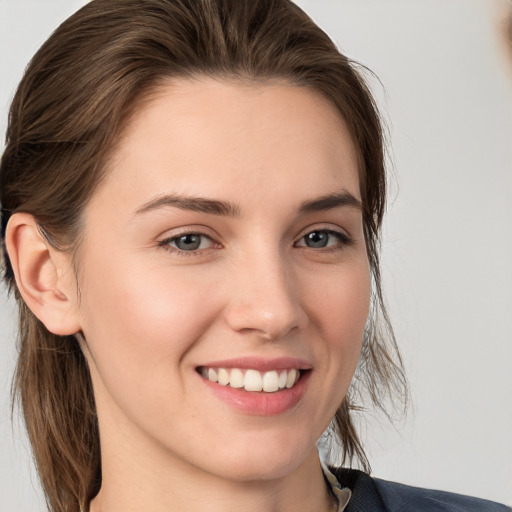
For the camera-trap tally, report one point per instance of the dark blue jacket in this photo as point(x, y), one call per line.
point(374, 495)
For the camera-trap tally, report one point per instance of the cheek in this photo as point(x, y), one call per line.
point(339, 307)
point(341, 302)
point(143, 323)
point(338, 304)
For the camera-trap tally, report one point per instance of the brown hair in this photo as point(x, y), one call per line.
point(70, 106)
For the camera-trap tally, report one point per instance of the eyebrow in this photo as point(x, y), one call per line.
point(196, 204)
point(331, 201)
point(226, 208)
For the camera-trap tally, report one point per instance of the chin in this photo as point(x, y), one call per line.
point(251, 471)
point(264, 459)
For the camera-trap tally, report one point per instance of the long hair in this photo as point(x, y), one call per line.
point(76, 96)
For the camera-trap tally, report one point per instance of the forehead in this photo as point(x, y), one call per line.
point(218, 138)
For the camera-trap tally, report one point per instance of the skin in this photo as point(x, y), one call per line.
point(151, 315)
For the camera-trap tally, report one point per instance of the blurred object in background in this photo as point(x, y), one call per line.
point(508, 29)
point(505, 30)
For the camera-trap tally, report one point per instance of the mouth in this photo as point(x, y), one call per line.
point(251, 379)
point(257, 386)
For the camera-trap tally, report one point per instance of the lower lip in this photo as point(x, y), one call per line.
point(260, 403)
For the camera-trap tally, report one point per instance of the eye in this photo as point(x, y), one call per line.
point(324, 238)
point(187, 242)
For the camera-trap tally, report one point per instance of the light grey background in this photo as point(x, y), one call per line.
point(448, 237)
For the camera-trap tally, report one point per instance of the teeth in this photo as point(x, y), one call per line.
point(252, 380)
point(223, 377)
point(237, 378)
point(283, 377)
point(270, 382)
point(292, 378)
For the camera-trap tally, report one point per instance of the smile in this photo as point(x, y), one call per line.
point(251, 379)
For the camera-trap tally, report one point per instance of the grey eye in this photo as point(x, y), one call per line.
point(317, 239)
point(189, 242)
point(324, 239)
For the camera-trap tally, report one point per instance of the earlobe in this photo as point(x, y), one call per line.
point(41, 275)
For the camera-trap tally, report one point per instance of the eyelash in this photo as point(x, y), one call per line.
point(343, 239)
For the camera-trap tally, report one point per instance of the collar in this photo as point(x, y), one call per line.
point(342, 494)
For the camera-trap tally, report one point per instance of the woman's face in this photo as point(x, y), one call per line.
point(226, 242)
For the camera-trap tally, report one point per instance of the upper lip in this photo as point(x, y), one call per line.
point(260, 364)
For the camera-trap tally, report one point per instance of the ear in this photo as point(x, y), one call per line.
point(44, 276)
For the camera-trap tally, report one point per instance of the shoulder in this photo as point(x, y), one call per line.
point(376, 495)
point(400, 497)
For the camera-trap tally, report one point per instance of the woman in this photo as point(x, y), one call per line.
point(192, 195)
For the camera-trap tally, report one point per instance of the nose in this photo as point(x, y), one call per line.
point(265, 298)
